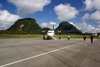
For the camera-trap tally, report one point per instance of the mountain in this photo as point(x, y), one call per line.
point(25, 24)
point(30, 24)
point(67, 26)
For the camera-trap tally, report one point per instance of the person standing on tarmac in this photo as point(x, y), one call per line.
point(68, 37)
point(84, 37)
point(91, 38)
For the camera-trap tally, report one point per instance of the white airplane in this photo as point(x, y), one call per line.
point(50, 35)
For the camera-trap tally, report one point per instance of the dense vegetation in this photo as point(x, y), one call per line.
point(25, 24)
point(68, 28)
point(98, 33)
point(46, 28)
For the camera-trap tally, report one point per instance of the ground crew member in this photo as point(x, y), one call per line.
point(84, 37)
point(68, 37)
point(91, 38)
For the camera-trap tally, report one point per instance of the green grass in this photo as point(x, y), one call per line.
point(20, 36)
point(40, 36)
point(75, 36)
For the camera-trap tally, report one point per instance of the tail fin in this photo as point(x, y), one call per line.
point(53, 26)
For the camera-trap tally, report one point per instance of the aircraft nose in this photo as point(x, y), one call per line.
point(48, 34)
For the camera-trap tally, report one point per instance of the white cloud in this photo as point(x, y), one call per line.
point(53, 23)
point(7, 19)
point(92, 4)
point(25, 7)
point(65, 12)
point(50, 25)
point(86, 16)
point(72, 23)
point(98, 28)
point(96, 16)
point(87, 28)
point(44, 24)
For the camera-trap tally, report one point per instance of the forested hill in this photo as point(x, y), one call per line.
point(25, 24)
point(67, 26)
point(31, 24)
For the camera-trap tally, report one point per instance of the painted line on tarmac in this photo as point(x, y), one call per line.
point(40, 55)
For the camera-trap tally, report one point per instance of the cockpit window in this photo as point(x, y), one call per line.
point(49, 32)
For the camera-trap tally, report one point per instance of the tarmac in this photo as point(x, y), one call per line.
point(36, 52)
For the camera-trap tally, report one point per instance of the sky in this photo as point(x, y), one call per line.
point(83, 14)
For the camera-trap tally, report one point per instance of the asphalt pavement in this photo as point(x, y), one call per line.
point(36, 52)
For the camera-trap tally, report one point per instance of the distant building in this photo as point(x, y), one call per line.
point(95, 35)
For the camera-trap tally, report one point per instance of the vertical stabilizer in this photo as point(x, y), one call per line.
point(53, 26)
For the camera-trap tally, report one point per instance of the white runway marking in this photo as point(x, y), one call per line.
point(40, 55)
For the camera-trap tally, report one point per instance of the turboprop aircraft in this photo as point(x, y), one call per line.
point(50, 34)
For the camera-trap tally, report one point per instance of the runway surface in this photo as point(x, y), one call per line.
point(36, 52)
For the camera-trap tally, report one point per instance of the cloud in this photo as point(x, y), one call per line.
point(89, 28)
point(65, 12)
point(86, 16)
point(25, 7)
point(50, 25)
point(92, 4)
point(7, 19)
point(72, 23)
point(98, 28)
point(96, 16)
point(86, 27)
